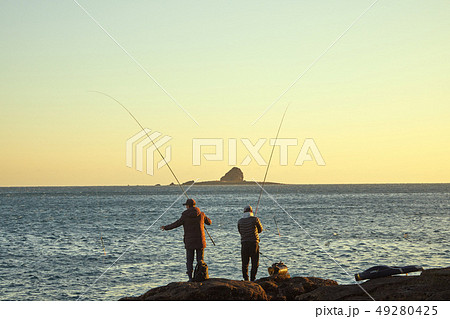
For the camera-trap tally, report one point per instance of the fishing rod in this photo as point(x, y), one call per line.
point(151, 140)
point(212, 240)
point(270, 158)
point(156, 147)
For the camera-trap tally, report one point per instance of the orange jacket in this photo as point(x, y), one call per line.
point(193, 221)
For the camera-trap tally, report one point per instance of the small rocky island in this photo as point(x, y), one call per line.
point(234, 176)
point(432, 284)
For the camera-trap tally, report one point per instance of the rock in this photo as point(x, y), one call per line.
point(285, 288)
point(225, 289)
point(210, 289)
point(432, 284)
point(234, 175)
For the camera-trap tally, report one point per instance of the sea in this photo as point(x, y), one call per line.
point(104, 243)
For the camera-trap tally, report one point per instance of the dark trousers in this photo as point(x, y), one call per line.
point(190, 259)
point(249, 250)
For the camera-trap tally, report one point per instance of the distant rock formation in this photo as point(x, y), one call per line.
point(234, 175)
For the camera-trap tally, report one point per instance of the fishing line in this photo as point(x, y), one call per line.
point(103, 245)
point(151, 140)
point(268, 259)
point(270, 158)
point(265, 256)
point(277, 226)
point(156, 147)
point(97, 224)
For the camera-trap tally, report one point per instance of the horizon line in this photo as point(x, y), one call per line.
point(276, 184)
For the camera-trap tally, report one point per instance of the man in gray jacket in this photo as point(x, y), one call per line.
point(249, 227)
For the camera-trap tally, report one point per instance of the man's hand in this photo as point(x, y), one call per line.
point(163, 228)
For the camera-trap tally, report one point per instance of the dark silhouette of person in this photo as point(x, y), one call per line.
point(193, 221)
point(249, 227)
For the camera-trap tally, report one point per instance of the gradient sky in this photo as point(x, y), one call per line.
point(377, 104)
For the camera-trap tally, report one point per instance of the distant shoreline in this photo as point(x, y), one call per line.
point(223, 184)
point(209, 183)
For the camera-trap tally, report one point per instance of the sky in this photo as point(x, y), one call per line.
point(376, 104)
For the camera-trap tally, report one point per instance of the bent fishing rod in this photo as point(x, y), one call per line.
point(270, 160)
point(157, 149)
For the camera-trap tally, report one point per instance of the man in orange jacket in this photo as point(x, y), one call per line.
point(193, 221)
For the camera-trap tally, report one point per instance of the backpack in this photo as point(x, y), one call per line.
point(201, 271)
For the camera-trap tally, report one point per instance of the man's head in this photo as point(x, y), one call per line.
point(248, 209)
point(189, 203)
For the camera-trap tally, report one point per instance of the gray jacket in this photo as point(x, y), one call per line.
point(249, 227)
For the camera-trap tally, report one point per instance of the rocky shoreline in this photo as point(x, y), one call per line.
point(432, 284)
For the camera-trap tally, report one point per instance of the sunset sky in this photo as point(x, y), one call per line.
point(377, 104)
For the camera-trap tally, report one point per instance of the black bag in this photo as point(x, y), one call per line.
point(201, 272)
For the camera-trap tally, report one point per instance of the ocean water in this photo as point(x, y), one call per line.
point(51, 237)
